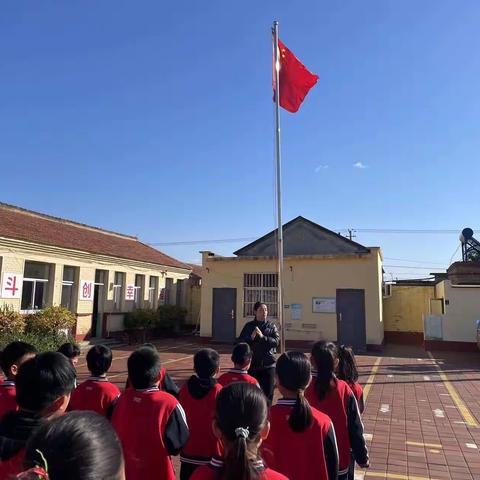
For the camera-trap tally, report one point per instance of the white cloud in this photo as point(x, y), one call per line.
point(320, 167)
point(359, 165)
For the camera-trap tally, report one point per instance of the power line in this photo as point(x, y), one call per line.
point(414, 261)
point(407, 266)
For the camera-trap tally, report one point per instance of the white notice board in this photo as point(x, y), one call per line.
point(324, 304)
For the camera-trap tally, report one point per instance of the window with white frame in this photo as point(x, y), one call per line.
point(138, 290)
point(118, 285)
point(68, 289)
point(35, 286)
point(260, 287)
point(153, 292)
point(168, 291)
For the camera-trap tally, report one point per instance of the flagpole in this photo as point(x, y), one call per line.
point(279, 188)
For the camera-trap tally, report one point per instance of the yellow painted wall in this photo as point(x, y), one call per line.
point(305, 278)
point(403, 311)
point(13, 255)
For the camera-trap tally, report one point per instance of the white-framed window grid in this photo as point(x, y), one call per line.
point(152, 291)
point(118, 290)
point(34, 302)
point(260, 287)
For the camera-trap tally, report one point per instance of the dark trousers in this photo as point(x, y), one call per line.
point(186, 470)
point(266, 379)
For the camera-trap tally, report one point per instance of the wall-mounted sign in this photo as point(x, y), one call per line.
point(130, 292)
point(324, 305)
point(296, 310)
point(86, 290)
point(12, 285)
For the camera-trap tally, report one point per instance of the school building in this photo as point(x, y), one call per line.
point(332, 287)
point(97, 274)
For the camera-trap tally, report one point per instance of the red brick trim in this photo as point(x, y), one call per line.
point(445, 345)
point(404, 338)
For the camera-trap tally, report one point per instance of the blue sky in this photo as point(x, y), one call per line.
point(155, 119)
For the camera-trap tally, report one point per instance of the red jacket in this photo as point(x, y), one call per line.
point(8, 401)
point(341, 406)
point(314, 450)
point(358, 392)
point(236, 375)
point(213, 471)
point(151, 426)
point(198, 397)
point(96, 394)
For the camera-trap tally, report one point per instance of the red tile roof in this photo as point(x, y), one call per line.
point(21, 224)
point(196, 269)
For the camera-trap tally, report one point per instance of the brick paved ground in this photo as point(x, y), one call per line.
point(422, 414)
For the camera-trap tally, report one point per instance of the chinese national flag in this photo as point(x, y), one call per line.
point(295, 80)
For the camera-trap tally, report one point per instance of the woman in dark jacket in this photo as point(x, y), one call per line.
point(263, 337)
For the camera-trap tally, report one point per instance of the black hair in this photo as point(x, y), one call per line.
point(42, 380)
point(206, 362)
point(347, 365)
point(70, 350)
point(150, 345)
point(78, 446)
point(258, 305)
point(99, 360)
point(324, 355)
point(13, 352)
point(241, 354)
point(143, 368)
point(294, 373)
point(240, 415)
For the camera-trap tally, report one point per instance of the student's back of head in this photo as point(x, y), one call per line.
point(294, 375)
point(206, 363)
point(99, 360)
point(242, 354)
point(76, 446)
point(44, 383)
point(347, 365)
point(144, 368)
point(241, 423)
point(324, 358)
point(12, 357)
point(71, 351)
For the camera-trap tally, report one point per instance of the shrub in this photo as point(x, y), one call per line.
point(171, 317)
point(50, 320)
point(140, 319)
point(11, 322)
point(43, 342)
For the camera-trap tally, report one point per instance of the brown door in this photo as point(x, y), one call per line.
point(351, 329)
point(224, 314)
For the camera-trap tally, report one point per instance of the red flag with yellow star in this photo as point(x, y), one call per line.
point(295, 80)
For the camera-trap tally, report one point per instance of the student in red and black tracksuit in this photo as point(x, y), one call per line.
point(11, 359)
point(336, 399)
point(166, 383)
point(348, 372)
point(75, 446)
point(198, 397)
point(43, 386)
point(298, 431)
point(264, 339)
point(241, 358)
point(96, 393)
point(151, 424)
point(241, 424)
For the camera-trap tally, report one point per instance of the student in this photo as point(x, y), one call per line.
point(96, 393)
point(297, 430)
point(12, 357)
point(241, 425)
point(43, 386)
point(241, 358)
point(166, 383)
point(348, 372)
point(198, 397)
point(335, 398)
point(150, 423)
point(76, 446)
point(71, 351)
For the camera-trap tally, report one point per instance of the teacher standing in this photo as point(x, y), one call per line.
point(263, 337)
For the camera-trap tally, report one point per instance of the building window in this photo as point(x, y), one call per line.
point(168, 291)
point(153, 292)
point(179, 293)
point(68, 287)
point(260, 287)
point(118, 284)
point(35, 286)
point(138, 291)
